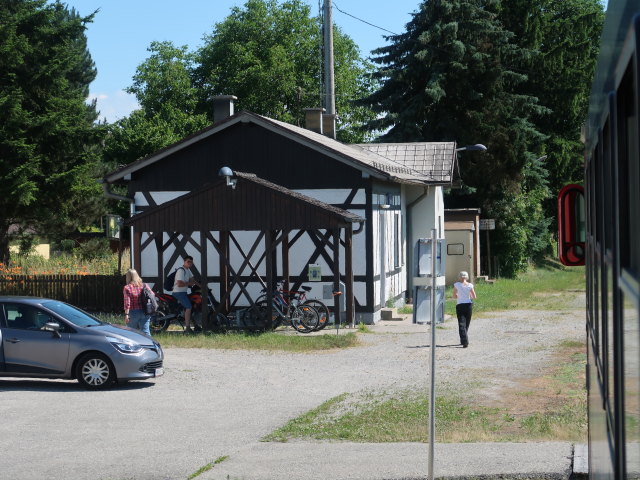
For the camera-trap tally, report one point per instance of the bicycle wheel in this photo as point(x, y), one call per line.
point(275, 317)
point(323, 313)
point(220, 323)
point(304, 318)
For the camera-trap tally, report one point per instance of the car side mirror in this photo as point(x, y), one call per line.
point(571, 225)
point(52, 327)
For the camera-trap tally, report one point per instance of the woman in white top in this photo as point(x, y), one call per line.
point(465, 294)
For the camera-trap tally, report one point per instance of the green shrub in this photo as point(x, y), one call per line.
point(93, 249)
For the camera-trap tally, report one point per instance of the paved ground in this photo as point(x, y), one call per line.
point(212, 404)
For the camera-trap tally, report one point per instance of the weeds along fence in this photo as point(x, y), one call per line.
point(98, 293)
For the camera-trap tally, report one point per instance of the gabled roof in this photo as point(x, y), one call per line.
point(432, 159)
point(252, 204)
point(435, 169)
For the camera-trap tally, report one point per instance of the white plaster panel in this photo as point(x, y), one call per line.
point(332, 196)
point(158, 197)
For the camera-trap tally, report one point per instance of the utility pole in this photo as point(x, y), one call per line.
point(329, 82)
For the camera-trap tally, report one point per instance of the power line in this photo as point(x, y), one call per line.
point(361, 20)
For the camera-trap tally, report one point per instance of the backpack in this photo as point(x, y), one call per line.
point(170, 280)
point(148, 300)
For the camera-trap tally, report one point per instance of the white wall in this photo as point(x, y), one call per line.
point(298, 253)
point(425, 211)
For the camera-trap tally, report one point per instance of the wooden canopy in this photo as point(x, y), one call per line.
point(249, 203)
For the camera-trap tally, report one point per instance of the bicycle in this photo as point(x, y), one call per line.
point(302, 317)
point(171, 311)
point(300, 297)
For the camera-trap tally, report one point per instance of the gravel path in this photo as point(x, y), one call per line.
point(211, 403)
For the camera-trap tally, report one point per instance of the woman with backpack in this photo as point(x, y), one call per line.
point(135, 315)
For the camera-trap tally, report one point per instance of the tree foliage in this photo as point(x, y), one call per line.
point(48, 156)
point(169, 102)
point(266, 54)
point(564, 34)
point(269, 56)
point(454, 76)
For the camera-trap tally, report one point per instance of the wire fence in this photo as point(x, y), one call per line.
point(98, 293)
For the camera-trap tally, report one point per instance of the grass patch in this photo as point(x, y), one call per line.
point(362, 328)
point(537, 289)
point(207, 467)
point(551, 407)
point(269, 341)
point(401, 418)
point(405, 309)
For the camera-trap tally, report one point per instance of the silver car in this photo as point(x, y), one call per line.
point(47, 338)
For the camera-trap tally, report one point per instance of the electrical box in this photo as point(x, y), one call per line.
point(424, 261)
point(425, 280)
point(422, 305)
point(327, 296)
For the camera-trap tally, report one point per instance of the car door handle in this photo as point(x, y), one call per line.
point(13, 340)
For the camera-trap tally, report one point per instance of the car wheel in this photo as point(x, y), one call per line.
point(94, 371)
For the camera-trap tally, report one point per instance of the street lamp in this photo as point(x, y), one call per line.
point(227, 173)
point(478, 147)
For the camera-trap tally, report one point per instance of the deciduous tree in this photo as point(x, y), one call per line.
point(269, 55)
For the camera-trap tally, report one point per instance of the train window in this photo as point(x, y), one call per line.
point(631, 339)
point(628, 175)
point(571, 225)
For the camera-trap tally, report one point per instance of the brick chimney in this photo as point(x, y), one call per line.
point(329, 125)
point(313, 119)
point(223, 107)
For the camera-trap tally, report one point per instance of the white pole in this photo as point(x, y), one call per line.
point(432, 372)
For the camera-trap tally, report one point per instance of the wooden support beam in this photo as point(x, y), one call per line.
point(224, 270)
point(285, 260)
point(159, 262)
point(336, 276)
point(137, 248)
point(269, 237)
point(348, 281)
point(204, 281)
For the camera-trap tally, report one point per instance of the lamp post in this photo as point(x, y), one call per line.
point(478, 147)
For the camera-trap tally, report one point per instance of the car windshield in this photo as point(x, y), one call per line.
point(72, 314)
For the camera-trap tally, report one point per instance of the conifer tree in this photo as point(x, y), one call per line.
point(564, 34)
point(454, 76)
point(48, 157)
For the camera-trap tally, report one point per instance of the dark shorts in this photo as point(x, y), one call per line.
point(183, 298)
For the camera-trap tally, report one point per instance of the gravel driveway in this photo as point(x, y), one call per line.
point(211, 403)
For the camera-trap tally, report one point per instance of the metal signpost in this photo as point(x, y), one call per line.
point(432, 372)
point(428, 307)
point(487, 224)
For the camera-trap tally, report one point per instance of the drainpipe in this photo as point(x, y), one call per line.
point(409, 235)
point(114, 196)
point(359, 229)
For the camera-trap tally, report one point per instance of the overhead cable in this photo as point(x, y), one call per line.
point(361, 20)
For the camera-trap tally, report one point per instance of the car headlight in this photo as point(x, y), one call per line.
point(124, 346)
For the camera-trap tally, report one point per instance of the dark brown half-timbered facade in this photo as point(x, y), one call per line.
point(395, 188)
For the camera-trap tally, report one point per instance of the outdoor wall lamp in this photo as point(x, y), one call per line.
point(227, 173)
point(386, 202)
point(478, 147)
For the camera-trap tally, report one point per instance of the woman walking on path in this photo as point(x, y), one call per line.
point(134, 314)
point(465, 294)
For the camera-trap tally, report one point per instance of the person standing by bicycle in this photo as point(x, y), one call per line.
point(184, 279)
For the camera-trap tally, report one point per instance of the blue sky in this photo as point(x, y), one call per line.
point(123, 29)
